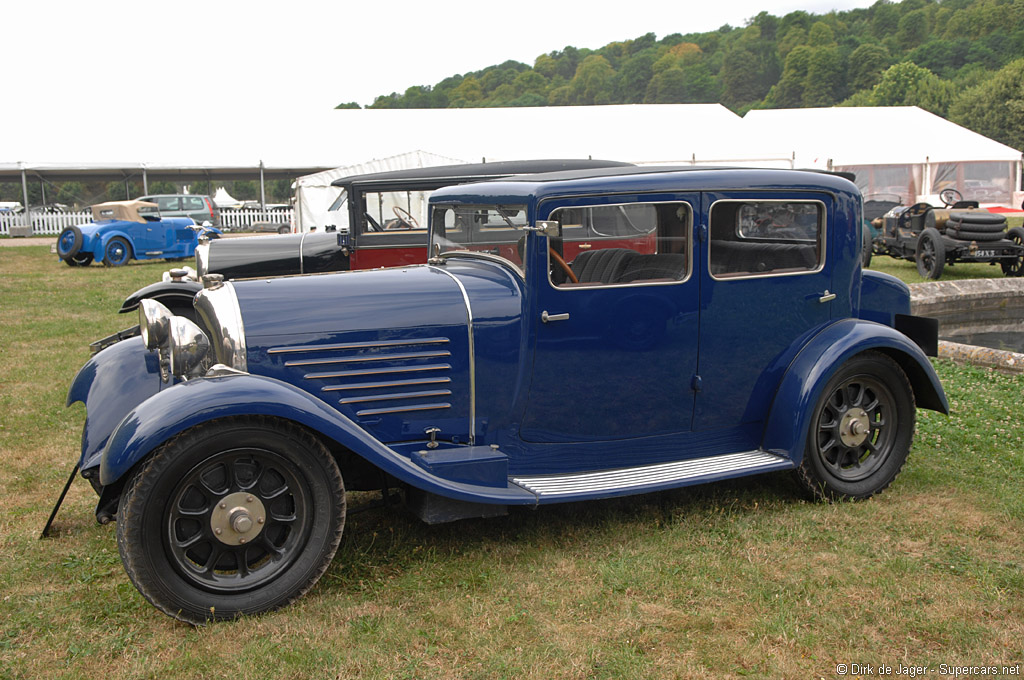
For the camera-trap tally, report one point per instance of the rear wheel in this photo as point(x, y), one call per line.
point(861, 430)
point(117, 252)
point(931, 254)
point(283, 230)
point(233, 517)
point(1015, 267)
point(79, 260)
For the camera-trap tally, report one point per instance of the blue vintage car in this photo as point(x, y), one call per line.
point(119, 232)
point(647, 329)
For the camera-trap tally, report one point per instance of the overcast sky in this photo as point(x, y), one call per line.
point(314, 53)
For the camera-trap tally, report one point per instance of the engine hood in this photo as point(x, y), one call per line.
point(390, 349)
point(276, 255)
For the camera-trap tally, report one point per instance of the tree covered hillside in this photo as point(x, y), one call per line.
point(961, 59)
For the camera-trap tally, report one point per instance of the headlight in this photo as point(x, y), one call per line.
point(154, 323)
point(189, 345)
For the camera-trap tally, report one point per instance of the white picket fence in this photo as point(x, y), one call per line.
point(51, 224)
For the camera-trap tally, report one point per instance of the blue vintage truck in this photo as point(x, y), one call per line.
point(575, 335)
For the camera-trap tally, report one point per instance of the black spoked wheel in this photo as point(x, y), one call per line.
point(232, 517)
point(861, 430)
point(931, 254)
point(79, 260)
point(1015, 267)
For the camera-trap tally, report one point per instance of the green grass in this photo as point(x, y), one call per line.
point(735, 579)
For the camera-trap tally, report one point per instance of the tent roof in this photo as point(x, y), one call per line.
point(873, 136)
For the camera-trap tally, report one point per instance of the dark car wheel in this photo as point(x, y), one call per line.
point(283, 230)
point(232, 517)
point(861, 430)
point(69, 243)
point(931, 254)
point(79, 260)
point(117, 252)
point(1015, 267)
point(867, 249)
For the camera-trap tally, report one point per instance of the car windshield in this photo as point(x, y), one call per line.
point(339, 201)
point(483, 228)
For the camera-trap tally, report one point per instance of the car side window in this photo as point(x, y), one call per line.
point(167, 202)
point(764, 238)
point(621, 244)
point(193, 203)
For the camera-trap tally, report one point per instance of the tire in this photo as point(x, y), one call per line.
point(866, 249)
point(977, 227)
point(1015, 267)
point(930, 255)
point(69, 243)
point(79, 260)
point(186, 550)
point(977, 217)
point(117, 252)
point(979, 236)
point(284, 230)
point(870, 392)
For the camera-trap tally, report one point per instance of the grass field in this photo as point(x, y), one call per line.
point(739, 579)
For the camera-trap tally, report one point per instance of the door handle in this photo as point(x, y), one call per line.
point(827, 296)
point(545, 317)
point(585, 246)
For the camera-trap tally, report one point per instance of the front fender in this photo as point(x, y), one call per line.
point(100, 241)
point(801, 386)
point(173, 294)
point(192, 403)
point(111, 384)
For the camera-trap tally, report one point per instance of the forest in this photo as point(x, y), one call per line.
point(960, 59)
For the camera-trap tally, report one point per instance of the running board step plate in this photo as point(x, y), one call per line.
point(624, 481)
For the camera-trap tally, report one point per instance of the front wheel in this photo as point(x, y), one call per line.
point(117, 252)
point(232, 517)
point(1015, 267)
point(861, 430)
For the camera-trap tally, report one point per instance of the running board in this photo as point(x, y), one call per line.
point(625, 481)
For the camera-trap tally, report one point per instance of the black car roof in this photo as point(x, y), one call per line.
point(480, 171)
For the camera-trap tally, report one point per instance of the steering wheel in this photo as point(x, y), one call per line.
point(950, 196)
point(405, 217)
point(913, 211)
point(562, 265)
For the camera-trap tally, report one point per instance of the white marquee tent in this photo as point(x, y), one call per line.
point(896, 150)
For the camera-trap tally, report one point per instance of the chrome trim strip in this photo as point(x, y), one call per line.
point(376, 357)
point(627, 478)
point(418, 407)
point(397, 395)
point(490, 257)
point(302, 258)
point(472, 352)
point(356, 345)
point(393, 383)
point(378, 371)
point(218, 307)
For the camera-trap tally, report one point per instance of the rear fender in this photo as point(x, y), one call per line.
point(100, 241)
point(186, 405)
point(802, 385)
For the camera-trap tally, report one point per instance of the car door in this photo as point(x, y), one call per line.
point(615, 351)
point(766, 286)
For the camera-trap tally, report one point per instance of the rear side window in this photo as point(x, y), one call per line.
point(168, 203)
point(193, 203)
point(764, 238)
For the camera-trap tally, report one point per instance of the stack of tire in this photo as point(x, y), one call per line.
point(979, 226)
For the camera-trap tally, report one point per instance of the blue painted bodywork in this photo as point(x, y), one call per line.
point(170, 237)
point(639, 375)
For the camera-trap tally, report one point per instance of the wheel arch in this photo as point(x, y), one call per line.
point(800, 388)
point(181, 292)
point(99, 248)
point(186, 405)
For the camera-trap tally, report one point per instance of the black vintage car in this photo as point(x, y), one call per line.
point(381, 222)
point(960, 232)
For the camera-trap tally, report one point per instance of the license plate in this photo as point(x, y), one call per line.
point(985, 253)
